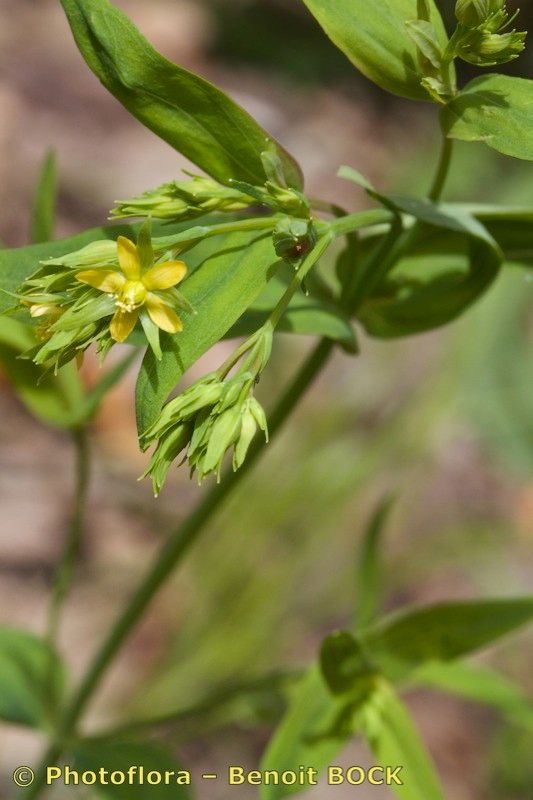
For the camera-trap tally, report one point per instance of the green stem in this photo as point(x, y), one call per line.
point(67, 565)
point(192, 236)
point(173, 552)
point(443, 170)
point(208, 707)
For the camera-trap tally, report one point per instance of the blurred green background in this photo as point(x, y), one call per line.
point(443, 420)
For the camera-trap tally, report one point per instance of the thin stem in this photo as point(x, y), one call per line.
point(193, 235)
point(443, 170)
point(172, 554)
point(67, 565)
point(210, 705)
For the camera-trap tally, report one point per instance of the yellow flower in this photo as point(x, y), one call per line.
point(134, 289)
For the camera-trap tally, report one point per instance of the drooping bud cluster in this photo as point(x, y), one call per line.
point(184, 200)
point(98, 294)
point(217, 414)
point(484, 38)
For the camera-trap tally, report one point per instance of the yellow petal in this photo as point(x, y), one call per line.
point(123, 323)
point(128, 258)
point(163, 315)
point(106, 280)
point(166, 275)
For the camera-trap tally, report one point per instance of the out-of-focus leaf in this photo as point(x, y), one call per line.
point(31, 679)
point(228, 273)
point(480, 684)
point(443, 632)
point(120, 756)
point(192, 115)
point(301, 737)
point(91, 402)
point(496, 389)
point(42, 225)
point(54, 399)
point(378, 43)
point(494, 109)
point(394, 740)
point(369, 566)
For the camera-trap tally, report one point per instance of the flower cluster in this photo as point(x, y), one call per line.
point(180, 200)
point(483, 35)
point(184, 200)
point(217, 414)
point(98, 295)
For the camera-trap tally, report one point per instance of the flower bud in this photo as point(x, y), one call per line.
point(488, 49)
point(294, 239)
point(183, 200)
point(473, 13)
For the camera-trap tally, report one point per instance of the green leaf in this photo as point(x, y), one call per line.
point(307, 315)
point(31, 680)
point(119, 756)
point(192, 115)
point(443, 632)
point(424, 292)
point(369, 566)
point(394, 740)
point(301, 737)
point(480, 684)
point(377, 42)
point(54, 399)
point(227, 274)
point(42, 224)
point(494, 109)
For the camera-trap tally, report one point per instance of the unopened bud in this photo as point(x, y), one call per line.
point(473, 13)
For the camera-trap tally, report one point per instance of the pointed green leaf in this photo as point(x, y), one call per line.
point(31, 679)
point(395, 742)
point(192, 115)
point(442, 632)
point(494, 109)
point(369, 566)
point(480, 684)
point(42, 225)
point(301, 736)
point(377, 41)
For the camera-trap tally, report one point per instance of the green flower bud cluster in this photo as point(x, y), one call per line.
point(69, 315)
point(483, 37)
point(184, 200)
point(215, 415)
